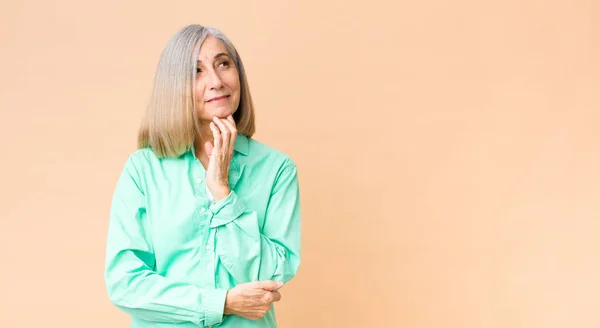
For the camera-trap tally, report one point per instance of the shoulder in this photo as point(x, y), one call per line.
point(141, 162)
point(141, 158)
point(259, 152)
point(270, 164)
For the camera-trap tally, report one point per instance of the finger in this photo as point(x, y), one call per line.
point(233, 129)
point(255, 314)
point(268, 298)
point(270, 285)
point(217, 135)
point(264, 310)
point(249, 316)
point(230, 125)
point(276, 296)
point(225, 133)
point(230, 119)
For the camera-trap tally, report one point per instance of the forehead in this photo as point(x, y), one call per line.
point(210, 47)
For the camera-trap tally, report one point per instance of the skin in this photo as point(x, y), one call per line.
point(217, 97)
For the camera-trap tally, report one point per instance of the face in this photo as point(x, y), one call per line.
point(217, 81)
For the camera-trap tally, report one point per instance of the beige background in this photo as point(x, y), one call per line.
point(448, 153)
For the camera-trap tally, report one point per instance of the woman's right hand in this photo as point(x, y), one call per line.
point(252, 300)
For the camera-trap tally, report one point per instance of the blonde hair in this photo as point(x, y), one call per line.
point(171, 124)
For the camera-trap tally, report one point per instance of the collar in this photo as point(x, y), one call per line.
point(241, 144)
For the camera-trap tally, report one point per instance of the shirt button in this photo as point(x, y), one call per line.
point(199, 180)
point(207, 248)
point(203, 210)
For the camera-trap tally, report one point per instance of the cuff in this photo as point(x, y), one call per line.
point(214, 306)
point(226, 210)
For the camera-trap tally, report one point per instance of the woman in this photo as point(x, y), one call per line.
point(205, 221)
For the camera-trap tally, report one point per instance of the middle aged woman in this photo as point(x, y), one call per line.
point(205, 221)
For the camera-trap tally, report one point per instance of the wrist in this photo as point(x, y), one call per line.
point(229, 299)
point(220, 192)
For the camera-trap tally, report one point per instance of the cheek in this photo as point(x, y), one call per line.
point(199, 90)
point(199, 94)
point(234, 81)
point(237, 92)
point(235, 88)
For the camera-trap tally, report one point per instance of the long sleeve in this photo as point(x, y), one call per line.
point(250, 253)
point(132, 284)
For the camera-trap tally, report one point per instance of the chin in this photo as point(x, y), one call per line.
point(220, 113)
point(224, 113)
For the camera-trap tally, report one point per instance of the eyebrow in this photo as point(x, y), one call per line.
point(221, 54)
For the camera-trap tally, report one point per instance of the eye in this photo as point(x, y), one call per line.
point(224, 63)
point(198, 70)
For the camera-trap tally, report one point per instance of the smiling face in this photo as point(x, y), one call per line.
point(217, 81)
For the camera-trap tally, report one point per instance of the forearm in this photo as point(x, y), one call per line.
point(253, 251)
point(249, 255)
point(143, 293)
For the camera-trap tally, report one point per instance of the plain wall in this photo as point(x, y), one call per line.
point(447, 152)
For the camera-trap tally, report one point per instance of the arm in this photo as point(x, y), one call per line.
point(132, 284)
point(251, 254)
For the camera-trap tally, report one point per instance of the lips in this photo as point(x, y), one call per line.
point(217, 98)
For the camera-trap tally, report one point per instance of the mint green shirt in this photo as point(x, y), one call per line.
point(172, 253)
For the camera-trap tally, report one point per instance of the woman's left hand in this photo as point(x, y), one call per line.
point(220, 154)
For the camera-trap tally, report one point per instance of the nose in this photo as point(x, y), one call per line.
point(214, 80)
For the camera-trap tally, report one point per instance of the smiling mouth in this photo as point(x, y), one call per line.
point(217, 99)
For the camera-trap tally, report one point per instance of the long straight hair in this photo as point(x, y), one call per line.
point(170, 124)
